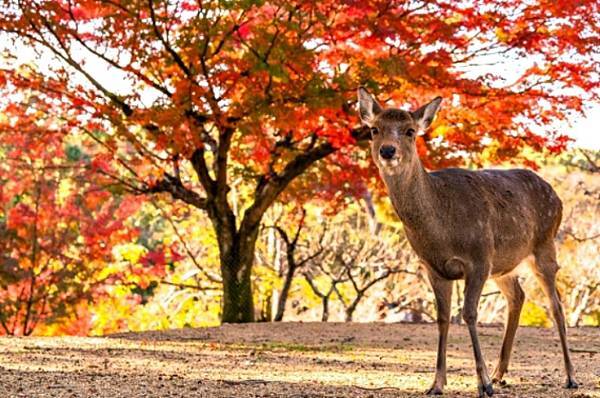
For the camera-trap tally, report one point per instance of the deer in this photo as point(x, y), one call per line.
point(470, 225)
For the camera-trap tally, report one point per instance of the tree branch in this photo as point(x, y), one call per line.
point(201, 169)
point(175, 187)
point(166, 44)
point(270, 187)
point(189, 286)
point(582, 239)
point(187, 249)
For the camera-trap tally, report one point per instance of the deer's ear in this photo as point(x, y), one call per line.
point(368, 107)
point(425, 114)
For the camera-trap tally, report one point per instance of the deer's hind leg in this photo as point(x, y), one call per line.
point(545, 269)
point(511, 289)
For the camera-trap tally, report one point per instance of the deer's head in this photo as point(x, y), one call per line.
point(393, 131)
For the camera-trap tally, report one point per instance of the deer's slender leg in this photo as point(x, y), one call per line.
point(545, 269)
point(510, 288)
point(473, 287)
point(443, 295)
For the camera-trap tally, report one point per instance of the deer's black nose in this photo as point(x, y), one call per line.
point(387, 151)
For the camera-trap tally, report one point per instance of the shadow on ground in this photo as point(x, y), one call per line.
point(288, 360)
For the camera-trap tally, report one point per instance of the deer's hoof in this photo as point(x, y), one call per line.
point(485, 390)
point(500, 382)
point(571, 384)
point(435, 390)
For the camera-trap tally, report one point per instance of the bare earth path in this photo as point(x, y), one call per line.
point(288, 360)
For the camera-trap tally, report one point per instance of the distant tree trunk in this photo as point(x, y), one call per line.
point(374, 225)
point(325, 315)
point(350, 311)
point(266, 311)
point(457, 318)
point(291, 243)
point(323, 296)
point(283, 295)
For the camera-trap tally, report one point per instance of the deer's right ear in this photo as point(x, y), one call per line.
point(368, 107)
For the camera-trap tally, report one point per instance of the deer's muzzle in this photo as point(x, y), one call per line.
point(387, 151)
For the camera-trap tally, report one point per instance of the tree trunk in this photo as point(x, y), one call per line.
point(289, 277)
point(238, 305)
point(237, 257)
point(325, 315)
point(350, 312)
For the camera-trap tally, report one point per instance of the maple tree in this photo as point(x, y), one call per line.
point(57, 229)
point(206, 99)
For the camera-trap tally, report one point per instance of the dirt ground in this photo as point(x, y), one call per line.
point(300, 360)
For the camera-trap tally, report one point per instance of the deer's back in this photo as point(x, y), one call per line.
point(507, 211)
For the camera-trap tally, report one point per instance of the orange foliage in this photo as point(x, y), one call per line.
point(208, 93)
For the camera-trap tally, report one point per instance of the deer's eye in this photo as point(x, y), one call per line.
point(374, 131)
point(410, 132)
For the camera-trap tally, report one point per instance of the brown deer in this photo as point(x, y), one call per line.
point(470, 225)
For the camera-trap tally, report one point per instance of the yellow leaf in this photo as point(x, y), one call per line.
point(501, 35)
point(130, 252)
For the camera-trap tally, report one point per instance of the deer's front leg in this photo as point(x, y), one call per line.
point(443, 296)
point(473, 286)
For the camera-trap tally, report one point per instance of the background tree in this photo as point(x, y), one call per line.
point(579, 239)
point(292, 263)
point(57, 228)
point(340, 257)
point(323, 283)
point(200, 93)
point(366, 260)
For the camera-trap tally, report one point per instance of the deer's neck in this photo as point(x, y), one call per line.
point(413, 196)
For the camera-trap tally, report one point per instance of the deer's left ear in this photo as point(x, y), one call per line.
point(425, 114)
point(368, 107)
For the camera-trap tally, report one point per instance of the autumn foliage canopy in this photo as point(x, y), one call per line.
point(196, 99)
